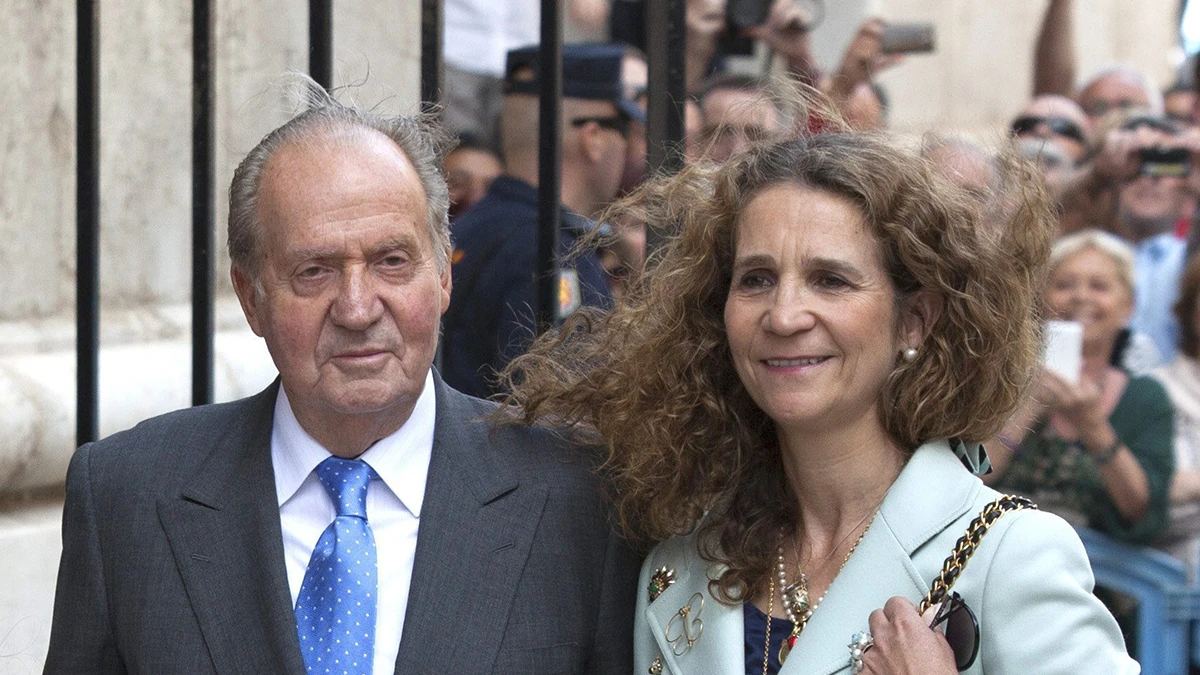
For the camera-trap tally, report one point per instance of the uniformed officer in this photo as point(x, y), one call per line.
point(491, 315)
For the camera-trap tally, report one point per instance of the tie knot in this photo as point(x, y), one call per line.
point(346, 482)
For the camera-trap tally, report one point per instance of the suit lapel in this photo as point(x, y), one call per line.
point(225, 534)
point(932, 491)
point(477, 526)
point(719, 645)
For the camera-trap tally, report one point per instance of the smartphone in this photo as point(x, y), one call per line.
point(908, 38)
point(1164, 162)
point(1064, 349)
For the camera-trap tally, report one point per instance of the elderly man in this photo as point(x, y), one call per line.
point(1119, 88)
point(1151, 202)
point(491, 316)
point(357, 516)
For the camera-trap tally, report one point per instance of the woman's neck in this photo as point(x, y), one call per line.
point(838, 478)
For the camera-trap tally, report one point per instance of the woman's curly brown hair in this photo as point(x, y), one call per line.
point(652, 381)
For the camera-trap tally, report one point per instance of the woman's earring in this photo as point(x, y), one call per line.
point(910, 355)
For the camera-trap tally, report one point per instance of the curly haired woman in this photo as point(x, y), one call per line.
point(792, 406)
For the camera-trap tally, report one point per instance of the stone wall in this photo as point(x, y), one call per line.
point(976, 80)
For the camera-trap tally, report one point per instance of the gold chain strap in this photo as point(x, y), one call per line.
point(965, 548)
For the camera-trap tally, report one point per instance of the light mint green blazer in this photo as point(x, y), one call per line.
point(1029, 584)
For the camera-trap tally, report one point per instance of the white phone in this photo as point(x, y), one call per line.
point(1064, 349)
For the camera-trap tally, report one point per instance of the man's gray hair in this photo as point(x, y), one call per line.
point(421, 140)
point(1154, 97)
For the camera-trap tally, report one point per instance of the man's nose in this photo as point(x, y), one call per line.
point(357, 304)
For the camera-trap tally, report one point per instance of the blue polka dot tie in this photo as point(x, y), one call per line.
point(335, 613)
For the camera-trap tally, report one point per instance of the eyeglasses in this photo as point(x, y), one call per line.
point(618, 123)
point(1057, 125)
point(961, 630)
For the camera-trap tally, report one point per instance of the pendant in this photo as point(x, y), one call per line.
point(795, 596)
point(786, 648)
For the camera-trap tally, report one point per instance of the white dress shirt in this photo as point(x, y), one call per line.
point(393, 508)
point(1158, 266)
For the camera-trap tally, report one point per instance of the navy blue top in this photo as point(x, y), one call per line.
point(755, 621)
point(492, 306)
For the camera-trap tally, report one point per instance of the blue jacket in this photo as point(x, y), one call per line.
point(494, 266)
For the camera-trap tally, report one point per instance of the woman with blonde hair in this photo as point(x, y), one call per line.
point(792, 404)
point(1094, 448)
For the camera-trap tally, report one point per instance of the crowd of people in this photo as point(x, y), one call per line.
point(821, 417)
point(1114, 448)
point(1115, 155)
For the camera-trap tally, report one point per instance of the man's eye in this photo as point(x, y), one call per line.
point(393, 261)
point(311, 272)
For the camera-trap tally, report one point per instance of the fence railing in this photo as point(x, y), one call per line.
point(665, 45)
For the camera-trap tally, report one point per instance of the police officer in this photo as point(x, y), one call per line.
point(491, 315)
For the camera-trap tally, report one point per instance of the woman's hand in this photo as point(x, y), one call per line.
point(1079, 404)
point(905, 644)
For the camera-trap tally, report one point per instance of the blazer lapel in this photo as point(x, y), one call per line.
point(931, 492)
point(477, 526)
point(225, 534)
point(718, 637)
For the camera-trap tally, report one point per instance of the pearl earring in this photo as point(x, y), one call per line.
point(910, 355)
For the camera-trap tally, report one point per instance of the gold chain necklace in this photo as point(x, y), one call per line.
point(796, 599)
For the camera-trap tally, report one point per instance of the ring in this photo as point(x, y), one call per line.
point(859, 644)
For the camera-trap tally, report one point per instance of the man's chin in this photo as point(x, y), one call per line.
point(367, 397)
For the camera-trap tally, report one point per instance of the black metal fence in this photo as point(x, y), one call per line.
point(665, 44)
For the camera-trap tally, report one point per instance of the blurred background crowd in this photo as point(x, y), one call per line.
point(1116, 147)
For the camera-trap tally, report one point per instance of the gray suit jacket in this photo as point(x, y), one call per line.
point(173, 556)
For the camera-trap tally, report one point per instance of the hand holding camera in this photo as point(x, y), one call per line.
point(863, 59)
point(1144, 151)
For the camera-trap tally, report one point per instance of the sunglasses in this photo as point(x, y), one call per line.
point(619, 124)
point(1057, 125)
point(961, 630)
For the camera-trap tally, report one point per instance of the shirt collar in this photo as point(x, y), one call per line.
point(401, 459)
point(1160, 244)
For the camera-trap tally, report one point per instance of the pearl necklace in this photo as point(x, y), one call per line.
point(796, 599)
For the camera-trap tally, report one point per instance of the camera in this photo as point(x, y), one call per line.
point(1159, 161)
point(741, 15)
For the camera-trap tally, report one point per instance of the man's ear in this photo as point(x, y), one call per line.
point(591, 142)
point(249, 298)
point(921, 312)
point(447, 282)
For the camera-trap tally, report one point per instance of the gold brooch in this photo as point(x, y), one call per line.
point(656, 667)
point(689, 626)
point(660, 581)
